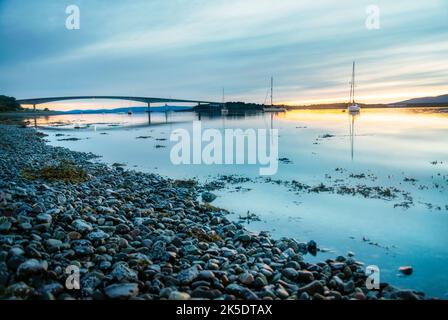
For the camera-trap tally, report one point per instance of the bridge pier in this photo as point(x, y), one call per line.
point(149, 112)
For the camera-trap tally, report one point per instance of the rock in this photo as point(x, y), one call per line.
point(105, 210)
point(312, 288)
point(349, 286)
point(44, 218)
point(304, 296)
point(188, 275)
point(121, 291)
point(206, 293)
point(282, 293)
point(19, 290)
point(206, 275)
point(312, 247)
point(246, 278)
point(5, 226)
point(208, 197)
point(121, 271)
point(82, 226)
point(406, 270)
point(97, 235)
point(31, 267)
point(176, 295)
point(305, 276)
point(290, 273)
point(73, 235)
point(54, 245)
point(241, 292)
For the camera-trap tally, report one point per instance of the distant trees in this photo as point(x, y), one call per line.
point(8, 104)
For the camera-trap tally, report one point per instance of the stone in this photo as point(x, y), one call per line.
point(206, 293)
point(207, 275)
point(19, 290)
point(54, 245)
point(44, 218)
point(5, 226)
point(74, 235)
point(32, 267)
point(121, 291)
point(208, 197)
point(246, 278)
point(121, 271)
point(290, 273)
point(406, 270)
point(305, 276)
point(312, 288)
point(82, 226)
point(97, 235)
point(188, 275)
point(176, 295)
point(312, 247)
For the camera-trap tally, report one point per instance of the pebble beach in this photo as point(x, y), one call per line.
point(134, 235)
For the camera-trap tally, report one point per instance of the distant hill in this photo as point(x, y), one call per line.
point(133, 109)
point(427, 100)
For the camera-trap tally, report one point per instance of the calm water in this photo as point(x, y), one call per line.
point(391, 147)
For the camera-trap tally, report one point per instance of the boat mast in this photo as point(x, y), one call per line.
point(353, 83)
point(272, 91)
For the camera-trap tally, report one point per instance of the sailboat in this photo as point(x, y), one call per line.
point(353, 107)
point(272, 108)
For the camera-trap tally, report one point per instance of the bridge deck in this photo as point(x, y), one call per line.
point(130, 98)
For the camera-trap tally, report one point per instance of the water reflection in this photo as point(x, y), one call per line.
point(352, 117)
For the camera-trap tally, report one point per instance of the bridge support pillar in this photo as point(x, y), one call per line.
point(149, 112)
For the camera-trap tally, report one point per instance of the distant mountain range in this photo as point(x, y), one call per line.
point(426, 100)
point(133, 109)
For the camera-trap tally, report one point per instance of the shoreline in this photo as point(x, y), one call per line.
point(140, 236)
point(288, 108)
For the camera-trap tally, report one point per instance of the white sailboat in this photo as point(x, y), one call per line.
point(353, 107)
point(272, 108)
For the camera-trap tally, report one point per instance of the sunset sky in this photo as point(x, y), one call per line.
point(192, 49)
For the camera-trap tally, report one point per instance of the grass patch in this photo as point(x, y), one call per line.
point(65, 171)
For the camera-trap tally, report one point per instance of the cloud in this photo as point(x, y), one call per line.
point(191, 49)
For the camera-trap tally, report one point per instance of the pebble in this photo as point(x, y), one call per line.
point(32, 267)
point(406, 270)
point(122, 291)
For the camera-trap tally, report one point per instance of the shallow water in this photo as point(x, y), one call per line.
point(391, 147)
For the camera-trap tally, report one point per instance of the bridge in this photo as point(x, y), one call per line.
point(147, 100)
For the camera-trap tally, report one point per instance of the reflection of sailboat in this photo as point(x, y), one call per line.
point(272, 108)
point(224, 109)
point(352, 117)
point(352, 106)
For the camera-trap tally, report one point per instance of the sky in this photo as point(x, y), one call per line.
point(192, 49)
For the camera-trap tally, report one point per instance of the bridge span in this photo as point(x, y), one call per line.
point(147, 100)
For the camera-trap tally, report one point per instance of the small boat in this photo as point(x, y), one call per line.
point(273, 108)
point(353, 107)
